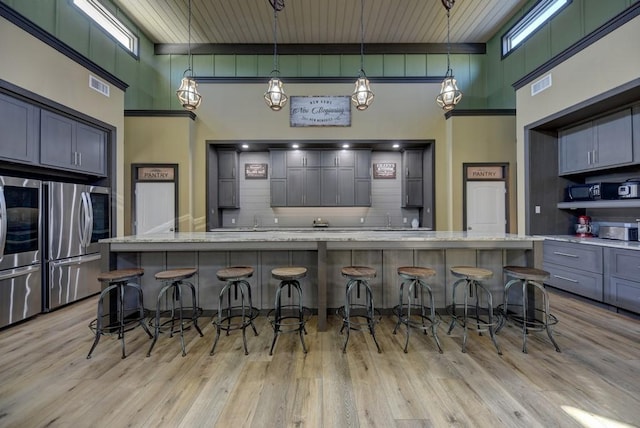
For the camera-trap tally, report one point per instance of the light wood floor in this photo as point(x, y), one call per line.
point(45, 379)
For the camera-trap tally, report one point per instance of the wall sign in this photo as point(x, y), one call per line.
point(155, 174)
point(485, 173)
point(320, 111)
point(255, 170)
point(384, 170)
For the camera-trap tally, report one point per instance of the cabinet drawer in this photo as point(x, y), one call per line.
point(625, 264)
point(576, 256)
point(624, 294)
point(575, 281)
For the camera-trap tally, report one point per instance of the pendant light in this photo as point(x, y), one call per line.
point(188, 91)
point(275, 96)
point(362, 96)
point(449, 95)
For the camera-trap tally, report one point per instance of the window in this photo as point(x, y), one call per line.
point(109, 23)
point(539, 15)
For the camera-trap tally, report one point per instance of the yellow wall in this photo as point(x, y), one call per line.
point(34, 66)
point(612, 61)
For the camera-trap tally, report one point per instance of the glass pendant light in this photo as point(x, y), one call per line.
point(275, 96)
point(362, 96)
point(188, 91)
point(449, 95)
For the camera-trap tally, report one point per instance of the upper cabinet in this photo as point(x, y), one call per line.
point(69, 144)
point(228, 182)
point(598, 144)
point(412, 179)
point(18, 130)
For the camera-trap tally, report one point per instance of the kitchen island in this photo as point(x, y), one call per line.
point(324, 252)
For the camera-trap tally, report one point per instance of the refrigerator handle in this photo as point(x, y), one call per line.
point(15, 273)
point(3, 222)
point(85, 220)
point(90, 222)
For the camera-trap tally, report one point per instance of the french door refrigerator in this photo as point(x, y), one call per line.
point(77, 217)
point(20, 274)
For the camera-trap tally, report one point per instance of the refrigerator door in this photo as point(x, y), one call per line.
point(67, 220)
point(72, 279)
point(20, 294)
point(99, 203)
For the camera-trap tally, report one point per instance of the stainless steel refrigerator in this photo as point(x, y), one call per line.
point(20, 274)
point(77, 217)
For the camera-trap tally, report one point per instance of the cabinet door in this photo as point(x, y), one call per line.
point(413, 193)
point(295, 187)
point(227, 164)
point(278, 161)
point(362, 192)
point(312, 187)
point(363, 164)
point(624, 294)
point(346, 187)
point(412, 163)
point(90, 149)
point(329, 187)
point(227, 197)
point(18, 130)
point(57, 136)
point(579, 282)
point(278, 192)
point(575, 148)
point(614, 139)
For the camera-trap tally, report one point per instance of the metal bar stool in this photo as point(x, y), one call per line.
point(289, 318)
point(237, 317)
point(482, 316)
point(175, 280)
point(413, 278)
point(531, 318)
point(120, 318)
point(358, 276)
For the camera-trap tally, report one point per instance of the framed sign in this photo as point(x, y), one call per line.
point(255, 170)
point(320, 111)
point(485, 172)
point(384, 170)
point(155, 173)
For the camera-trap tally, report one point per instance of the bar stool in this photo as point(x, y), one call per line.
point(288, 318)
point(483, 317)
point(530, 317)
point(413, 278)
point(174, 281)
point(358, 276)
point(237, 317)
point(122, 316)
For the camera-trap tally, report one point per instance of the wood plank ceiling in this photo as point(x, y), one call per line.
point(319, 21)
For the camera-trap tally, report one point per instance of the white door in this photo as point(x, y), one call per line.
point(486, 206)
point(155, 208)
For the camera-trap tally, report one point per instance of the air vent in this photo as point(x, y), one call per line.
point(541, 85)
point(98, 85)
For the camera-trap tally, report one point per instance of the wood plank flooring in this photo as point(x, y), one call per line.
point(46, 380)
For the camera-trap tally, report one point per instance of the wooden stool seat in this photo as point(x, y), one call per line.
point(234, 273)
point(289, 273)
point(119, 275)
point(176, 274)
point(529, 273)
point(416, 272)
point(470, 272)
point(359, 272)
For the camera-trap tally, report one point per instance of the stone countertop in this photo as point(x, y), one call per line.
point(315, 235)
point(600, 242)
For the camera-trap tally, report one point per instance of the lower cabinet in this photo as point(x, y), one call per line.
point(574, 267)
point(622, 285)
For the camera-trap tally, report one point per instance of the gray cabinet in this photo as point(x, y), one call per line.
point(278, 163)
point(335, 158)
point(303, 188)
point(68, 144)
point(278, 177)
point(303, 158)
point(18, 130)
point(412, 180)
point(622, 285)
point(338, 187)
point(602, 143)
point(574, 267)
point(228, 182)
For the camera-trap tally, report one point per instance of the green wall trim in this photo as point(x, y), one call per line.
point(321, 79)
point(481, 112)
point(160, 113)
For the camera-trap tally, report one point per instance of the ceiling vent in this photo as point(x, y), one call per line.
point(98, 85)
point(541, 85)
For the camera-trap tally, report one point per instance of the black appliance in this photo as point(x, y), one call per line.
point(591, 191)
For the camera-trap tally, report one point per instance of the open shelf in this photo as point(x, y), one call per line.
point(627, 203)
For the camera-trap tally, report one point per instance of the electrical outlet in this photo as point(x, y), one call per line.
point(233, 221)
point(361, 219)
point(537, 209)
point(404, 219)
point(275, 220)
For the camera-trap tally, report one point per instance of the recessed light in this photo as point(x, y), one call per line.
point(245, 146)
point(345, 146)
point(395, 146)
point(295, 146)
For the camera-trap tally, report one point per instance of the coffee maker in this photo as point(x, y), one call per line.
point(583, 227)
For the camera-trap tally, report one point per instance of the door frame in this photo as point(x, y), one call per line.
point(171, 177)
point(504, 169)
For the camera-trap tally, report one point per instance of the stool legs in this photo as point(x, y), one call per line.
point(417, 287)
point(278, 317)
point(370, 311)
point(225, 315)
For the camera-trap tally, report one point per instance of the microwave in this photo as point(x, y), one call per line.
point(592, 191)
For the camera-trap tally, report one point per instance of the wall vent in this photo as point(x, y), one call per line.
point(541, 85)
point(98, 85)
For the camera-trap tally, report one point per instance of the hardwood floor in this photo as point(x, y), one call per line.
point(46, 380)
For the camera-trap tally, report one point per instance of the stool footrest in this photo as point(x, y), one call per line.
point(535, 322)
point(359, 312)
point(478, 319)
point(417, 316)
point(289, 318)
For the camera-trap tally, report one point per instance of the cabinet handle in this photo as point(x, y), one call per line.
point(589, 157)
point(233, 172)
point(406, 173)
point(565, 278)
point(558, 253)
point(79, 159)
point(594, 156)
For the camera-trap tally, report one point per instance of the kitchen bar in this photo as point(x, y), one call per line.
point(324, 253)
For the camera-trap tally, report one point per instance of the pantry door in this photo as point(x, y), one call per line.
point(486, 206)
point(155, 199)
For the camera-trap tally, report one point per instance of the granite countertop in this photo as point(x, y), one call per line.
point(612, 243)
point(311, 235)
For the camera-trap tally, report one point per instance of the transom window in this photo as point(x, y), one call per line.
point(539, 15)
point(109, 23)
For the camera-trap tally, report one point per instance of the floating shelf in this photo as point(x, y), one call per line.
point(629, 203)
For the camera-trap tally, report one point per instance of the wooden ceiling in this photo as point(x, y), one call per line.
point(319, 21)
